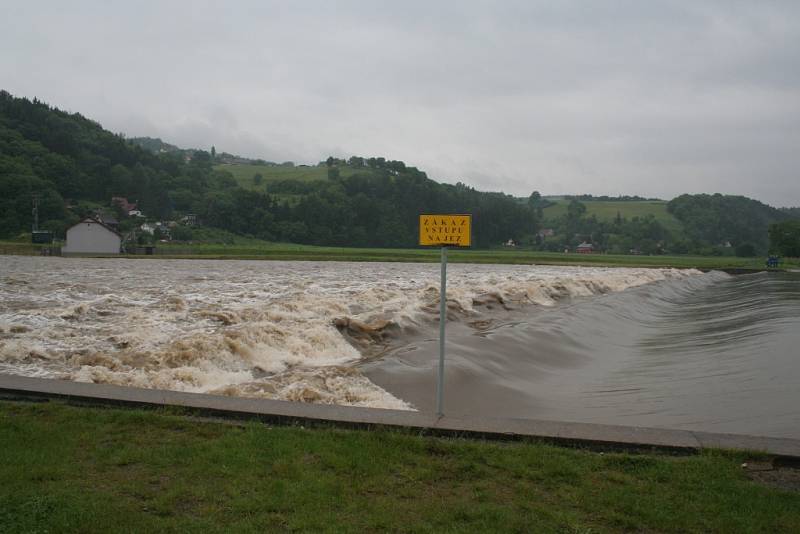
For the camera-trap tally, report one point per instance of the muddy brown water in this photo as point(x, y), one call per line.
point(713, 352)
point(669, 348)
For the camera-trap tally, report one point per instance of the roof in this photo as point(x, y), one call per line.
point(95, 221)
point(123, 202)
point(105, 218)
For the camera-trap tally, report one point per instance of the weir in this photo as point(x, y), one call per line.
point(631, 347)
point(282, 412)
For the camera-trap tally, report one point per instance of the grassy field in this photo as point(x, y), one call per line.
point(248, 248)
point(277, 251)
point(70, 469)
point(271, 173)
point(607, 210)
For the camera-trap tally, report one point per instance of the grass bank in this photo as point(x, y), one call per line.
point(513, 256)
point(253, 249)
point(69, 469)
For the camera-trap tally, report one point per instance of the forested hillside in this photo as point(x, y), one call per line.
point(711, 220)
point(75, 167)
point(689, 224)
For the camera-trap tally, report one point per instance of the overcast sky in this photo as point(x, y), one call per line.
point(603, 97)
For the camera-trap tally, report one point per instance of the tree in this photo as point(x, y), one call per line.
point(713, 220)
point(182, 233)
point(745, 250)
point(784, 238)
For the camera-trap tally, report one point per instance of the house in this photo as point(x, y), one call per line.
point(108, 220)
point(135, 213)
point(91, 236)
point(546, 232)
point(190, 219)
point(585, 248)
point(123, 203)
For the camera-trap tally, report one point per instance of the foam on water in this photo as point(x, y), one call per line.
point(283, 330)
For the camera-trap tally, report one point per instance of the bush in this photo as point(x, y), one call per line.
point(745, 250)
point(182, 233)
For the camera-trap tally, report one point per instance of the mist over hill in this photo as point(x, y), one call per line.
point(75, 167)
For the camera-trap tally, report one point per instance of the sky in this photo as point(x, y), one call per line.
point(654, 98)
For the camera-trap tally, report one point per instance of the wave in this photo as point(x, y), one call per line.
point(282, 330)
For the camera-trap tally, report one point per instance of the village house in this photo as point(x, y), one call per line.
point(585, 248)
point(546, 232)
point(123, 203)
point(190, 219)
point(91, 236)
point(108, 220)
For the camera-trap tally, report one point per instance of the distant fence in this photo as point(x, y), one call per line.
point(25, 249)
point(29, 250)
point(173, 251)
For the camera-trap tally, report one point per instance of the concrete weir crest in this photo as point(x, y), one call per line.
point(282, 412)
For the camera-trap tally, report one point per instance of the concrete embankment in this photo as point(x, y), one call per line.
point(281, 412)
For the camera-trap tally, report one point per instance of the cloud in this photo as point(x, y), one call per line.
point(629, 97)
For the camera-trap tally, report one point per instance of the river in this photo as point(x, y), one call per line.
point(655, 347)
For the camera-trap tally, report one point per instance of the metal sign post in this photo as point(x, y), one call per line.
point(444, 231)
point(442, 323)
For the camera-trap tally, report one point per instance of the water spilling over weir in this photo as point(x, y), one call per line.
point(629, 346)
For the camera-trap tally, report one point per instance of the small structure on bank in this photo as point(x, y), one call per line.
point(90, 236)
point(585, 248)
point(44, 237)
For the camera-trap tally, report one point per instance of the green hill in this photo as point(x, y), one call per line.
point(607, 210)
point(243, 174)
point(73, 166)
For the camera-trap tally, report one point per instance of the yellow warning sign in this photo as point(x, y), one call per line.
point(445, 230)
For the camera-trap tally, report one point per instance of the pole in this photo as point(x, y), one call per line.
point(35, 212)
point(442, 322)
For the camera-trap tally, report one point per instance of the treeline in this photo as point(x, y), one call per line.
point(713, 221)
point(156, 145)
point(784, 238)
point(73, 165)
point(638, 235)
point(710, 225)
point(372, 207)
point(606, 198)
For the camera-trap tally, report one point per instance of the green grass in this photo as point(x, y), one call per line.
point(607, 210)
point(279, 251)
point(243, 248)
point(270, 173)
point(69, 469)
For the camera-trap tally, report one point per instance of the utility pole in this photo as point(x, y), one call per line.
point(35, 211)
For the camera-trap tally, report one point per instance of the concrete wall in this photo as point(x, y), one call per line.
point(91, 238)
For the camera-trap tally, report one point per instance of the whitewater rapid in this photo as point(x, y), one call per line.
point(282, 330)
